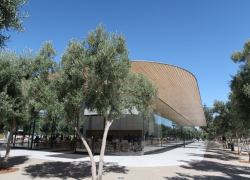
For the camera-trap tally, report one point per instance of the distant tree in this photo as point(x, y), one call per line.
point(10, 18)
point(232, 118)
point(222, 119)
point(210, 128)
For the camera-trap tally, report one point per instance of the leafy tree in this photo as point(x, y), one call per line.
point(96, 75)
point(43, 94)
point(240, 86)
point(10, 18)
point(72, 85)
point(222, 120)
point(12, 104)
point(110, 87)
point(232, 119)
point(210, 128)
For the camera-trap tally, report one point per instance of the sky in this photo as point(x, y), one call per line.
point(199, 36)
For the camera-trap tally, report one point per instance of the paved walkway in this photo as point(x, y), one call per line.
point(216, 164)
point(175, 157)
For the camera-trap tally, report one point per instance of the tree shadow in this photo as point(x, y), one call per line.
point(12, 161)
point(229, 171)
point(65, 170)
point(68, 156)
point(225, 170)
point(220, 156)
point(182, 176)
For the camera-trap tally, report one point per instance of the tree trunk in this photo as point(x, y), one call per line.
point(92, 160)
point(238, 144)
point(10, 138)
point(10, 134)
point(14, 143)
point(104, 138)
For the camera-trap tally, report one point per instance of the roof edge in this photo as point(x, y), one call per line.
point(161, 63)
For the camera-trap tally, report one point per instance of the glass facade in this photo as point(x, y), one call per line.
point(127, 135)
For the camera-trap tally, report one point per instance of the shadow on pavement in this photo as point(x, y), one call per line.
point(12, 161)
point(182, 176)
point(229, 171)
point(224, 156)
point(68, 156)
point(209, 164)
point(67, 170)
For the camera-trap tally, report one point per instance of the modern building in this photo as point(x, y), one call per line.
point(178, 104)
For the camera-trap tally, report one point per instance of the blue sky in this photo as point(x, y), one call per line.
point(199, 36)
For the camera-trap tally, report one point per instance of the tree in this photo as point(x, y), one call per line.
point(12, 105)
point(73, 80)
point(210, 128)
point(232, 118)
point(10, 18)
point(110, 87)
point(43, 92)
point(223, 120)
point(96, 75)
point(240, 87)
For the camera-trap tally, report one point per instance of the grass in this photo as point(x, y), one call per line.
point(1, 135)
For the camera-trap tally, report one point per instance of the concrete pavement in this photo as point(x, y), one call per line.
point(178, 156)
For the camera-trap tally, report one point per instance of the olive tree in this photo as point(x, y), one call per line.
point(96, 76)
point(42, 90)
point(111, 88)
point(10, 18)
point(12, 101)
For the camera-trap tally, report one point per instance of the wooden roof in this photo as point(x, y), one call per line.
point(178, 93)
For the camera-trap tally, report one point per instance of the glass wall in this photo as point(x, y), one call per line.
point(156, 128)
point(129, 134)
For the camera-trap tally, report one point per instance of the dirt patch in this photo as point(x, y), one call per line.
point(8, 170)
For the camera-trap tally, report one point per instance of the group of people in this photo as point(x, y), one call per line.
point(52, 140)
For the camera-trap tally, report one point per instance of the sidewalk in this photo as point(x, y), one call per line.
point(192, 152)
point(182, 163)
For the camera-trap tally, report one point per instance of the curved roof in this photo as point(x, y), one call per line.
point(178, 93)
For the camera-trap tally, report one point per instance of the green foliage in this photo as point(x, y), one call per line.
point(10, 17)
point(93, 74)
point(242, 56)
point(72, 79)
point(108, 69)
point(111, 88)
point(12, 104)
point(232, 119)
point(240, 86)
point(43, 90)
point(140, 93)
point(210, 128)
point(222, 119)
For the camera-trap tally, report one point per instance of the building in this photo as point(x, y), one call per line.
point(178, 104)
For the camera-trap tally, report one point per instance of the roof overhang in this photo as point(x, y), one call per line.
point(178, 96)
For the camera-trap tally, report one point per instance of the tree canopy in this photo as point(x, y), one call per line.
point(10, 18)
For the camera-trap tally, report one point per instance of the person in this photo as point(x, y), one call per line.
point(36, 141)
